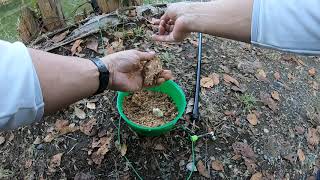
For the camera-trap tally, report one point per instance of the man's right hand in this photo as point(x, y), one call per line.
point(173, 25)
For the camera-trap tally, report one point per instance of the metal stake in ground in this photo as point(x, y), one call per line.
point(195, 112)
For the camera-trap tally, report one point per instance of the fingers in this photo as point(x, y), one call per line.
point(164, 38)
point(164, 76)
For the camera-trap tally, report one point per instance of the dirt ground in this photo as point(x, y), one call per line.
point(256, 135)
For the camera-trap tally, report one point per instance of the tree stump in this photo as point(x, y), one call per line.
point(52, 14)
point(28, 27)
point(107, 6)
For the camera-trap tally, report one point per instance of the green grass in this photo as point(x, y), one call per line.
point(249, 101)
point(5, 173)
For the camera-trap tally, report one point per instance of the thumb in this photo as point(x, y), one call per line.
point(146, 56)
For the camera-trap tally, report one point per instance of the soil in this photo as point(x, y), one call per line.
point(151, 71)
point(284, 143)
point(149, 108)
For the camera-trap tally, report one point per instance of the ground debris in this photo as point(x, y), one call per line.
point(151, 71)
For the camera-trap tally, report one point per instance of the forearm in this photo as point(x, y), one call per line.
point(224, 18)
point(64, 80)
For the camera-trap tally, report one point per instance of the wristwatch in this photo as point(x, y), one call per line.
point(103, 75)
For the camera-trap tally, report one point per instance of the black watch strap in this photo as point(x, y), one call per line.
point(103, 76)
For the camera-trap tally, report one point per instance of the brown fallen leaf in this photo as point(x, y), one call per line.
point(91, 105)
point(236, 157)
point(277, 76)
point(59, 37)
point(86, 128)
point(104, 145)
point(248, 66)
point(217, 165)
point(93, 45)
point(2, 140)
point(75, 47)
point(79, 113)
point(312, 137)
point(228, 79)
point(159, 147)
point(55, 162)
point(202, 169)
point(49, 137)
point(244, 149)
point(250, 164)
point(123, 149)
point(261, 75)
point(292, 158)
point(215, 77)
point(252, 118)
point(59, 124)
point(256, 176)
point(268, 101)
point(301, 155)
point(242, 88)
point(312, 72)
point(275, 95)
point(206, 82)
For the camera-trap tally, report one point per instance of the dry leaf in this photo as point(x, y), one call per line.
point(277, 76)
point(37, 141)
point(242, 88)
point(79, 113)
point(315, 85)
point(75, 46)
point(236, 157)
point(159, 147)
point(93, 45)
point(215, 77)
point(55, 162)
point(301, 155)
point(252, 118)
point(202, 169)
point(48, 138)
point(292, 158)
point(206, 82)
point(60, 124)
point(104, 145)
point(217, 165)
point(123, 149)
point(244, 149)
point(261, 75)
point(275, 95)
point(256, 176)
point(2, 140)
point(228, 79)
point(250, 164)
point(86, 128)
point(11, 137)
point(268, 101)
point(59, 37)
point(312, 137)
point(299, 129)
point(312, 72)
point(91, 105)
point(28, 163)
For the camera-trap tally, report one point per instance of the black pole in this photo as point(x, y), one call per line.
point(195, 111)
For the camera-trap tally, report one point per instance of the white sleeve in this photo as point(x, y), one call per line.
point(288, 25)
point(21, 100)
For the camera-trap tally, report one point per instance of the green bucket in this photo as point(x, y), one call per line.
point(172, 90)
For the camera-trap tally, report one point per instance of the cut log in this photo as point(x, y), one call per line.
point(107, 6)
point(52, 14)
point(28, 27)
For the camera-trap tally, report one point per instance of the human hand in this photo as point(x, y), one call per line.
point(174, 24)
point(125, 69)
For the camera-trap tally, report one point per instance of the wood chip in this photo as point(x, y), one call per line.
point(312, 72)
point(202, 169)
point(301, 155)
point(217, 165)
point(252, 118)
point(275, 95)
point(79, 113)
point(256, 176)
point(277, 76)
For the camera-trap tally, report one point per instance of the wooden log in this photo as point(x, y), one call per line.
point(28, 27)
point(107, 6)
point(52, 14)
